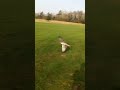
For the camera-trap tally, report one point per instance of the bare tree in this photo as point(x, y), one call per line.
point(75, 16)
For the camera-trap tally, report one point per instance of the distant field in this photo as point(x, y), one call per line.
point(54, 70)
point(54, 21)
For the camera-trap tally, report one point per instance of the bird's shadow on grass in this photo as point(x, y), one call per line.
point(79, 78)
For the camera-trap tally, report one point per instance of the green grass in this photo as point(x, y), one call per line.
point(52, 70)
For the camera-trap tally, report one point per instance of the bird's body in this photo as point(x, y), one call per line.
point(64, 45)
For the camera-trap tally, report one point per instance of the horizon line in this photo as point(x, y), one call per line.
point(58, 11)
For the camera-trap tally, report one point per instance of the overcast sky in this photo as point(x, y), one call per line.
point(54, 6)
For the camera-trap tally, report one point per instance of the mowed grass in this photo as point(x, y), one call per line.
point(54, 70)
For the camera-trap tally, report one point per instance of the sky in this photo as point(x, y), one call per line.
point(53, 6)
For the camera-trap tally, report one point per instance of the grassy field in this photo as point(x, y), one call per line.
point(53, 69)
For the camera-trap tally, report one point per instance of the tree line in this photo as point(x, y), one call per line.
point(75, 16)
